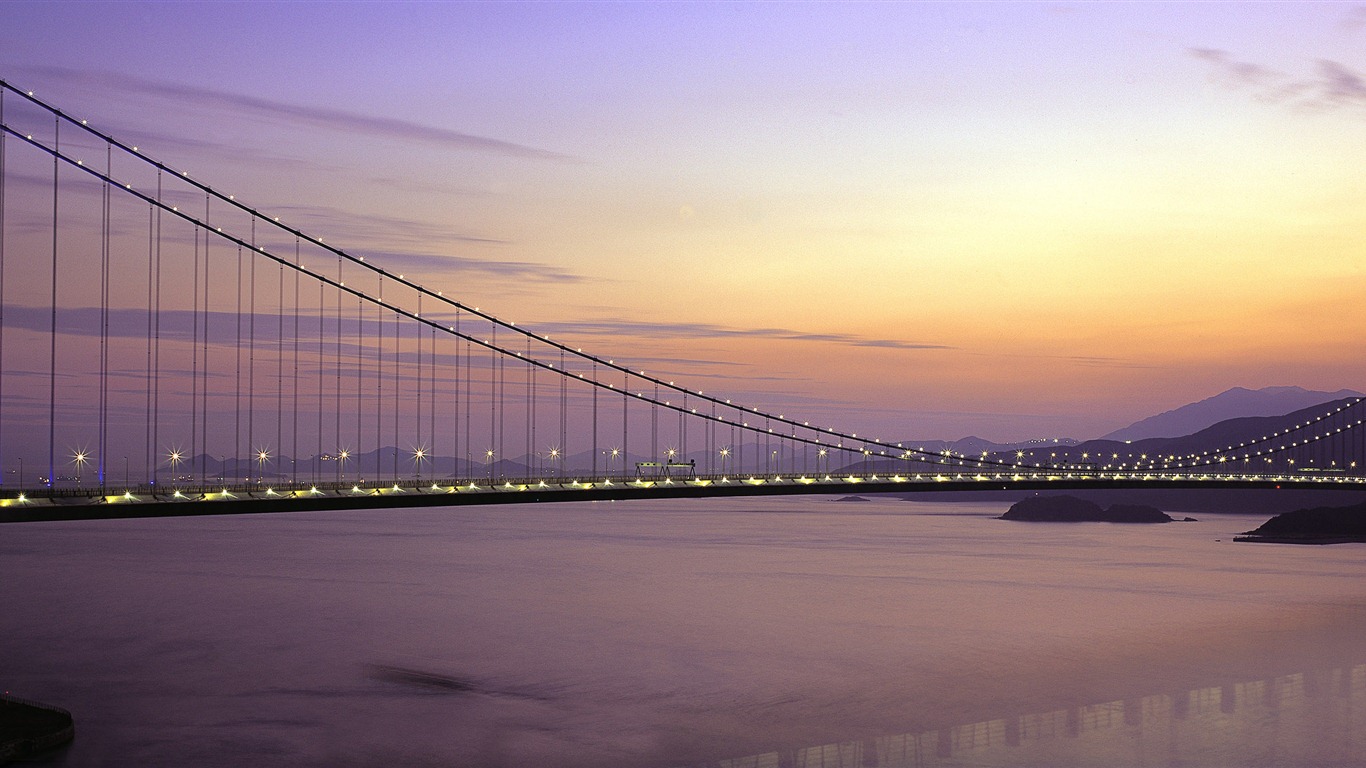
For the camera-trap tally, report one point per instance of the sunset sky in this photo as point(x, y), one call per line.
point(1012, 220)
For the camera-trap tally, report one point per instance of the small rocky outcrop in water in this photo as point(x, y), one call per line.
point(1070, 509)
point(1320, 525)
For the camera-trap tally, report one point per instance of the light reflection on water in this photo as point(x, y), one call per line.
point(1316, 718)
point(685, 633)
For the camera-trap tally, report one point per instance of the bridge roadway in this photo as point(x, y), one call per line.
point(261, 497)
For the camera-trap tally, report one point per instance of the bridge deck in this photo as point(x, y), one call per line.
point(144, 501)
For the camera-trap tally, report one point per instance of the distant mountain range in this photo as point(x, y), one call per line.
point(1224, 433)
point(1230, 404)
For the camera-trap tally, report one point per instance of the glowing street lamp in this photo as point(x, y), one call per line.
point(79, 458)
point(174, 457)
point(342, 456)
point(418, 455)
point(262, 456)
point(554, 456)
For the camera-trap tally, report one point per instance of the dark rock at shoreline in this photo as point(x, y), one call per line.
point(1070, 509)
point(28, 729)
point(851, 498)
point(1319, 525)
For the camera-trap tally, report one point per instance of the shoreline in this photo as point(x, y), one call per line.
point(1300, 539)
point(30, 728)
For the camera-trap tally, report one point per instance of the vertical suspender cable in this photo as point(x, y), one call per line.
point(398, 344)
point(564, 400)
point(711, 440)
point(294, 385)
point(360, 375)
point(460, 396)
point(379, 378)
point(251, 356)
point(149, 449)
point(105, 211)
point(468, 383)
point(18, 480)
point(683, 431)
point(337, 400)
point(595, 420)
point(204, 405)
point(501, 410)
point(156, 341)
point(432, 402)
point(530, 404)
point(194, 354)
point(237, 390)
point(52, 341)
point(493, 405)
point(280, 375)
point(322, 377)
point(419, 385)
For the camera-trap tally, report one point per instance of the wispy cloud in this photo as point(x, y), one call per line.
point(711, 331)
point(338, 225)
point(430, 265)
point(323, 117)
point(1341, 85)
point(1331, 84)
point(1354, 19)
point(1236, 72)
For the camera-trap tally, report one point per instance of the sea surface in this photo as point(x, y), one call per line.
point(769, 632)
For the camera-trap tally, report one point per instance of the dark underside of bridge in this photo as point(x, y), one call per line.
point(620, 492)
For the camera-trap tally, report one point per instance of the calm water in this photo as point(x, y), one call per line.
point(742, 633)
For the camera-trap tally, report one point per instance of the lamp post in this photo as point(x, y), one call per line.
point(174, 457)
point(79, 458)
point(418, 455)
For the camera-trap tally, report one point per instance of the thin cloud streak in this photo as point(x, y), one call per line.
point(335, 119)
point(1354, 19)
point(1332, 85)
point(710, 331)
point(429, 265)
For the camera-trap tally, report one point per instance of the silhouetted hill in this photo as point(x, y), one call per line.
point(1319, 525)
point(1225, 433)
point(1231, 404)
point(1070, 509)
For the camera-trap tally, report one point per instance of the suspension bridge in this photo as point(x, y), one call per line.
point(167, 349)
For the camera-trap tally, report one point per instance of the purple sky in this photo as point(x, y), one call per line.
point(1010, 220)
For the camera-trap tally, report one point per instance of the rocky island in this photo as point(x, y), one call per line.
point(1070, 509)
point(1320, 525)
